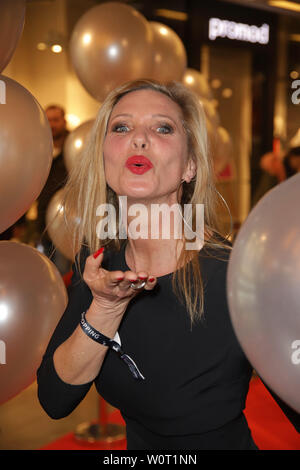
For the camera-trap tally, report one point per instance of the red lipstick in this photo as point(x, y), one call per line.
point(138, 164)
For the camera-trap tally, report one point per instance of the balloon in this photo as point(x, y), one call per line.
point(25, 151)
point(61, 226)
point(223, 150)
point(110, 44)
point(264, 289)
point(75, 142)
point(12, 17)
point(210, 111)
point(169, 55)
point(196, 82)
point(32, 299)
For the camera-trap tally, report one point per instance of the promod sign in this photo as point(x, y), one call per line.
point(238, 31)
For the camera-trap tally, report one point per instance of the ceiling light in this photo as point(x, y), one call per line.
point(294, 37)
point(227, 93)
point(286, 5)
point(56, 48)
point(41, 46)
point(172, 14)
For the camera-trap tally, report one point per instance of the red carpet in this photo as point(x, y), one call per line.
point(271, 430)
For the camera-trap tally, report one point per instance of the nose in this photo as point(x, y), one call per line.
point(140, 139)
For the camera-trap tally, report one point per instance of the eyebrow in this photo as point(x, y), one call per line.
point(153, 115)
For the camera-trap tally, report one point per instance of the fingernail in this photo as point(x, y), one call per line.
point(151, 279)
point(97, 253)
point(143, 278)
point(120, 278)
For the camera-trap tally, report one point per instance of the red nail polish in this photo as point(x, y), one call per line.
point(120, 278)
point(151, 279)
point(98, 253)
point(143, 278)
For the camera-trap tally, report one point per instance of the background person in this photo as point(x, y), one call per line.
point(56, 180)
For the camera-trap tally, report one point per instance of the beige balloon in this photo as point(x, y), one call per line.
point(210, 111)
point(169, 54)
point(223, 149)
point(32, 299)
point(263, 282)
point(61, 225)
point(12, 17)
point(75, 143)
point(197, 82)
point(111, 44)
point(25, 151)
point(212, 139)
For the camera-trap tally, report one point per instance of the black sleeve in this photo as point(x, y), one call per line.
point(58, 398)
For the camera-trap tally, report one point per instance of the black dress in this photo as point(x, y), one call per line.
point(196, 378)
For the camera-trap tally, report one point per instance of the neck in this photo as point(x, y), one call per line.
point(156, 257)
point(155, 237)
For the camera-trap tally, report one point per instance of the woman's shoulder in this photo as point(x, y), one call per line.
point(217, 248)
point(214, 256)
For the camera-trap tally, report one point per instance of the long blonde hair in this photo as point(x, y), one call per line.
point(86, 188)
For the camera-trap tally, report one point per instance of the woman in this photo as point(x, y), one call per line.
point(180, 379)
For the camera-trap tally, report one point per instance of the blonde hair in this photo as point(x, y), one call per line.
point(86, 188)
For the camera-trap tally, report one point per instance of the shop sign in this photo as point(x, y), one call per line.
point(238, 31)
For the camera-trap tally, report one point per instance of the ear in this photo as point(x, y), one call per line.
point(190, 171)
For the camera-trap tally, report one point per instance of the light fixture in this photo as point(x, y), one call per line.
point(294, 74)
point(189, 79)
point(172, 14)
point(294, 37)
point(227, 93)
point(216, 83)
point(56, 48)
point(54, 41)
point(41, 46)
point(285, 4)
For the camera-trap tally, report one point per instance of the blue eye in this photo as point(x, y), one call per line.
point(165, 129)
point(120, 128)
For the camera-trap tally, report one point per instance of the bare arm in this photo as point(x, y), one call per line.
point(78, 360)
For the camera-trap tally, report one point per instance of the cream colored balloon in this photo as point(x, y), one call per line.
point(75, 142)
point(25, 151)
point(210, 111)
point(223, 149)
point(61, 226)
point(198, 83)
point(33, 298)
point(212, 138)
point(12, 18)
point(111, 44)
point(169, 54)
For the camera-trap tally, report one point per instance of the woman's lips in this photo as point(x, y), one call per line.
point(138, 164)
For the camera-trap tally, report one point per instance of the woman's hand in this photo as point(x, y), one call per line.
point(111, 289)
